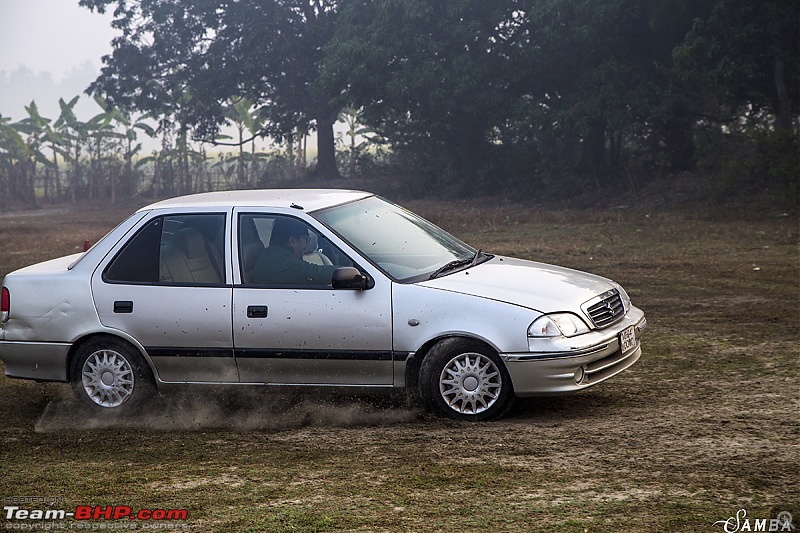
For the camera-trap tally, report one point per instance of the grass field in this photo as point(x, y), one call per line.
point(705, 425)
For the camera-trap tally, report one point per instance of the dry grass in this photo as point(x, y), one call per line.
point(704, 425)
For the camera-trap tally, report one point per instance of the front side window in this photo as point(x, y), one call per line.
point(175, 249)
point(284, 251)
point(402, 244)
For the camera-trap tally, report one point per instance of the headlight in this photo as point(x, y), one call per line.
point(557, 325)
point(626, 300)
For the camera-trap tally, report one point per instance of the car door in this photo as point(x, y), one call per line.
point(295, 333)
point(168, 288)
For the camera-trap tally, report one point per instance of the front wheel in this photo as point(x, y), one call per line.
point(110, 376)
point(465, 380)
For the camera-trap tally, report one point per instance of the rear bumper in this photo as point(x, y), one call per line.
point(543, 374)
point(42, 361)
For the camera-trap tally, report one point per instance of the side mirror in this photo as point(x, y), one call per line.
point(350, 278)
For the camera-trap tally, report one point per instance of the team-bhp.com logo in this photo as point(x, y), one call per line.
point(740, 522)
point(95, 512)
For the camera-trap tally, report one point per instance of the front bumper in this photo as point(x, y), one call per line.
point(568, 365)
point(42, 361)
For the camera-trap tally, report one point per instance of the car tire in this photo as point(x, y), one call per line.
point(464, 379)
point(110, 376)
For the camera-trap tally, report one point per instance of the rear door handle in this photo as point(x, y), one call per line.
point(257, 311)
point(123, 306)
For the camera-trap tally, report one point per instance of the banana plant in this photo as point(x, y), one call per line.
point(360, 137)
point(102, 140)
point(72, 133)
point(17, 163)
point(11, 143)
point(27, 138)
point(246, 119)
point(53, 141)
point(126, 134)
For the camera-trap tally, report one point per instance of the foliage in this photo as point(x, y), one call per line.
point(48, 160)
point(520, 90)
point(548, 97)
point(743, 59)
point(747, 164)
point(428, 75)
point(187, 59)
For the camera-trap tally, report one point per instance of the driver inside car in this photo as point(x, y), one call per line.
point(281, 263)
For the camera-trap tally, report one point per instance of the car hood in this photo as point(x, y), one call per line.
point(538, 286)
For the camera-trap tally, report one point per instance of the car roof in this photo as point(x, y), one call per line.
point(305, 199)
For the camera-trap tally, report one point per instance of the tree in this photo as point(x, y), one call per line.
point(595, 78)
point(745, 54)
point(740, 61)
point(266, 51)
point(429, 75)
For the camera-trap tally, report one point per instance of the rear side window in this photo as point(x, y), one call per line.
point(176, 249)
point(138, 260)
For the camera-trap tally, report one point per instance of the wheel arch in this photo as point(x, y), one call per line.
point(415, 362)
point(115, 336)
point(459, 400)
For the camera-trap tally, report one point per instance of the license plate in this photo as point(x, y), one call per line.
point(627, 340)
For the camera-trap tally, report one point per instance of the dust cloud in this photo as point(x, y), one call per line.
point(246, 410)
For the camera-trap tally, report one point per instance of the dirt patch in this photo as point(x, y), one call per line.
point(235, 410)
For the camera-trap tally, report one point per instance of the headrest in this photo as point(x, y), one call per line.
point(313, 243)
point(191, 242)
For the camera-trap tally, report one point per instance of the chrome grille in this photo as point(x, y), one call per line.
point(605, 309)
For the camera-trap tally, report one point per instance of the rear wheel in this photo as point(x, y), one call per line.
point(109, 375)
point(465, 380)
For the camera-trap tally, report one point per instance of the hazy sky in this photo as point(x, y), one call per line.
point(53, 36)
point(50, 49)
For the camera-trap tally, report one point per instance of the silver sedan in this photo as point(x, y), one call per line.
point(328, 289)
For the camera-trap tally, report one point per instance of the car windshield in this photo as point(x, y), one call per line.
point(404, 245)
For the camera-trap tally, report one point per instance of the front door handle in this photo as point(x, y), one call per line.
point(257, 311)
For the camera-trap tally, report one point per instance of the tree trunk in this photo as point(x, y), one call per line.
point(302, 151)
point(182, 164)
point(241, 178)
point(614, 151)
point(290, 148)
point(783, 118)
point(254, 166)
point(76, 176)
point(594, 151)
point(679, 143)
point(47, 198)
point(57, 178)
point(126, 182)
point(28, 185)
point(326, 149)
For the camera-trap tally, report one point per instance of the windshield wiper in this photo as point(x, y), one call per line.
point(478, 255)
point(452, 265)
